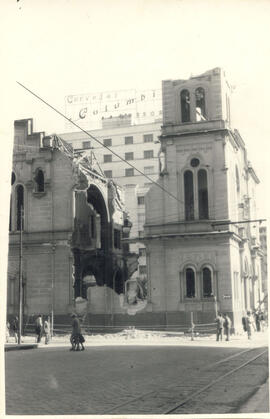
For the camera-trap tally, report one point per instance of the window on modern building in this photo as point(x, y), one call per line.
point(203, 195)
point(39, 180)
point(129, 156)
point(107, 142)
point(86, 144)
point(148, 138)
point(185, 106)
point(141, 220)
point(117, 239)
point(129, 172)
point(107, 158)
point(129, 140)
point(140, 200)
point(148, 170)
point(189, 195)
point(200, 104)
point(142, 251)
point(141, 233)
point(190, 283)
point(207, 282)
point(108, 173)
point(148, 154)
point(20, 206)
point(142, 270)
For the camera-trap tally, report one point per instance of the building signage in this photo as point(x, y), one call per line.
point(88, 110)
point(227, 297)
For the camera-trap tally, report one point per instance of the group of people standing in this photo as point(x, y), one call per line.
point(253, 322)
point(224, 324)
point(42, 328)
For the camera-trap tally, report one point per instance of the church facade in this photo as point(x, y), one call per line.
point(203, 253)
point(72, 220)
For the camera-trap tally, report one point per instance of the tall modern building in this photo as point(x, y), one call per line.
point(139, 147)
point(203, 250)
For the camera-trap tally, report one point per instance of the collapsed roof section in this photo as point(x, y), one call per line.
point(87, 168)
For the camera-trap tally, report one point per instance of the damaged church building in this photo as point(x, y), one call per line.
point(203, 250)
point(71, 219)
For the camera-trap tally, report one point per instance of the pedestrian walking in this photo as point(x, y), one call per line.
point(249, 322)
point(46, 329)
point(257, 321)
point(7, 331)
point(227, 326)
point(244, 322)
point(38, 327)
point(220, 322)
point(15, 328)
point(76, 338)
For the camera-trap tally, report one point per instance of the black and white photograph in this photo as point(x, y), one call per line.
point(134, 208)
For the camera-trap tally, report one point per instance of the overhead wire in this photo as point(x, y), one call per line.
point(108, 148)
point(99, 142)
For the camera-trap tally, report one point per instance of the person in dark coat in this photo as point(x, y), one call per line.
point(39, 328)
point(257, 321)
point(76, 338)
point(15, 328)
point(244, 323)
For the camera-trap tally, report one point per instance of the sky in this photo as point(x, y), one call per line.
point(63, 47)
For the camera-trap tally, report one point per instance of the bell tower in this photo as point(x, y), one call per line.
point(195, 249)
point(198, 99)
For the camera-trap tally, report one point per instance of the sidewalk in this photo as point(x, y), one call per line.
point(141, 338)
point(15, 346)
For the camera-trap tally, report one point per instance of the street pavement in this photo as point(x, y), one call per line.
point(113, 369)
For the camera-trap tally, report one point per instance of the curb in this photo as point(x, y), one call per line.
point(17, 347)
point(258, 402)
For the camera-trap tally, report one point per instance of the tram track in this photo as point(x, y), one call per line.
point(169, 399)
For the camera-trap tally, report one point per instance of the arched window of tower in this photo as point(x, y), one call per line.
point(185, 106)
point(203, 195)
point(189, 195)
point(200, 104)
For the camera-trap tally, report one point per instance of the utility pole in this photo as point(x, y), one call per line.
point(215, 301)
point(20, 279)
